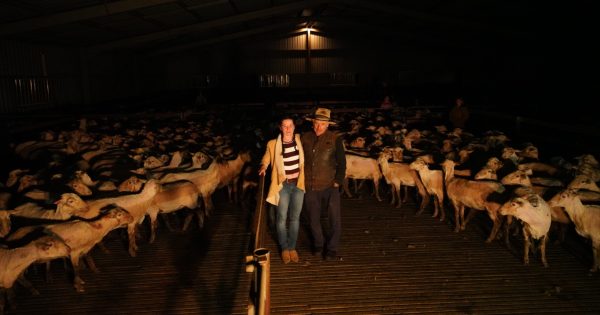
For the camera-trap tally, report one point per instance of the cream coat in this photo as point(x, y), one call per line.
point(274, 158)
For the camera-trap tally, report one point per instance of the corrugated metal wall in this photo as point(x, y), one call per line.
point(35, 77)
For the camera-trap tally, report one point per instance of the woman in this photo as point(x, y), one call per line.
point(286, 158)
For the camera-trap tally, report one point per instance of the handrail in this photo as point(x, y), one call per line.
point(259, 263)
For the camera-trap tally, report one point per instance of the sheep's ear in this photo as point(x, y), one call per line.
point(533, 200)
point(45, 246)
point(517, 202)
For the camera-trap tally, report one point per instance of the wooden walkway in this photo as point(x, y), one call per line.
point(393, 263)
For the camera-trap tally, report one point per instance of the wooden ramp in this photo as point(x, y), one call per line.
point(393, 263)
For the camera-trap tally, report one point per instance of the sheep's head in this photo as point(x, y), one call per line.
point(4, 223)
point(72, 204)
point(79, 187)
point(486, 173)
point(50, 247)
point(132, 184)
point(518, 177)
point(121, 215)
point(563, 199)
point(494, 163)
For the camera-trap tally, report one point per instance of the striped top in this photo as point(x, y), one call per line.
point(291, 159)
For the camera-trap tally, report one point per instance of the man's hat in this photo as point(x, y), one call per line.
point(322, 114)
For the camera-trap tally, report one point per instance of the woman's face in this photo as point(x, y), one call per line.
point(287, 128)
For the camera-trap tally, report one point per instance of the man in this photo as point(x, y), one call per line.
point(324, 172)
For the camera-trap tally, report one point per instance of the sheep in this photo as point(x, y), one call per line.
point(434, 185)
point(136, 204)
point(67, 206)
point(5, 223)
point(473, 194)
point(583, 182)
point(359, 167)
point(585, 217)
point(229, 174)
point(521, 179)
point(396, 174)
point(15, 261)
point(486, 172)
point(172, 197)
point(206, 181)
point(82, 236)
point(535, 214)
point(131, 184)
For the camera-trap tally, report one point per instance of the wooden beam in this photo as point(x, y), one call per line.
point(224, 38)
point(417, 15)
point(109, 8)
point(238, 18)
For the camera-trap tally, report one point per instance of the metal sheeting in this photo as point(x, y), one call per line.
point(36, 77)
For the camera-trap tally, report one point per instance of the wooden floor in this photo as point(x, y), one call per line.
point(393, 263)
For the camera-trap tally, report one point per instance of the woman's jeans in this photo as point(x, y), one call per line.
point(290, 205)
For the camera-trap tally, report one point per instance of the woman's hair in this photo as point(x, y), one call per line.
point(284, 117)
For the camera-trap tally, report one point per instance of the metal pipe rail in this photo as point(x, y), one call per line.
point(259, 263)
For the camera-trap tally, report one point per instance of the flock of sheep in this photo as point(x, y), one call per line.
point(66, 190)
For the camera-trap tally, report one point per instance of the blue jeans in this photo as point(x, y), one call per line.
point(290, 205)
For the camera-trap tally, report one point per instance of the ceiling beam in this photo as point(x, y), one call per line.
point(238, 18)
point(397, 10)
point(224, 38)
point(106, 9)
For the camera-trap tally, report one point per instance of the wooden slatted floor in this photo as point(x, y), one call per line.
point(394, 263)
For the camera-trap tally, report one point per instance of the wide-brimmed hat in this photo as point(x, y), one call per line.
point(321, 114)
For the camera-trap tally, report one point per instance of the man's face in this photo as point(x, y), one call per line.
point(320, 127)
point(287, 128)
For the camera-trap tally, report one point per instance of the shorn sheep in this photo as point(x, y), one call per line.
point(535, 214)
point(13, 263)
point(585, 217)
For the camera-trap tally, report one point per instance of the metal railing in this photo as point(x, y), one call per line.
point(259, 263)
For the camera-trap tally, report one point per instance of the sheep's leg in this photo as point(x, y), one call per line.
point(103, 247)
point(90, 263)
point(234, 190)
point(376, 187)
point(200, 215)
point(26, 284)
point(458, 215)
point(208, 204)
point(2, 300)
point(153, 225)
point(48, 274)
point(347, 189)
point(440, 204)
point(596, 251)
point(425, 200)
point(497, 220)
point(543, 242)
point(187, 221)
point(405, 199)
point(10, 298)
point(436, 206)
point(131, 229)
point(470, 215)
point(77, 281)
point(526, 244)
point(167, 221)
point(507, 224)
point(396, 193)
